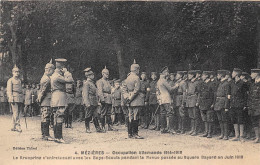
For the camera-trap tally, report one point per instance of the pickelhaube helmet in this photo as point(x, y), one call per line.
point(15, 68)
point(134, 66)
point(105, 70)
point(50, 65)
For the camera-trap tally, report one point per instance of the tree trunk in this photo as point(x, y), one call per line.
point(120, 61)
point(258, 37)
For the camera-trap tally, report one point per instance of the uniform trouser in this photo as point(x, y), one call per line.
point(91, 112)
point(166, 111)
point(105, 114)
point(207, 117)
point(68, 113)
point(35, 109)
point(2, 108)
point(176, 118)
point(238, 115)
point(118, 114)
point(223, 118)
point(126, 114)
point(28, 110)
point(45, 120)
point(58, 113)
point(194, 117)
point(133, 119)
point(145, 116)
point(16, 109)
point(156, 114)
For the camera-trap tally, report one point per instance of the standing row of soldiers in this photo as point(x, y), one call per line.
point(173, 101)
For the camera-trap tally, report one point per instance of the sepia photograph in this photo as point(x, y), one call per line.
point(129, 82)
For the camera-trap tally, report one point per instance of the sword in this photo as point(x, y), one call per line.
point(25, 121)
point(154, 115)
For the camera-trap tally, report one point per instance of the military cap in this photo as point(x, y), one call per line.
point(60, 60)
point(134, 66)
point(105, 70)
point(228, 72)
point(237, 70)
point(222, 72)
point(153, 73)
point(245, 74)
point(117, 81)
point(180, 73)
point(88, 71)
point(49, 65)
point(143, 73)
point(15, 68)
point(165, 69)
point(207, 73)
point(212, 72)
point(198, 71)
point(172, 74)
point(193, 72)
point(255, 70)
point(184, 72)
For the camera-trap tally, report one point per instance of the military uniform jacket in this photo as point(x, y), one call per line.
point(34, 95)
point(14, 90)
point(192, 93)
point(116, 95)
point(152, 93)
point(144, 94)
point(221, 100)
point(89, 93)
point(163, 91)
point(28, 96)
point(180, 93)
point(205, 95)
point(238, 94)
point(44, 95)
point(104, 91)
point(58, 86)
point(78, 96)
point(131, 90)
point(254, 99)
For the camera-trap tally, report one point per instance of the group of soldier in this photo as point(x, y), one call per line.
point(187, 102)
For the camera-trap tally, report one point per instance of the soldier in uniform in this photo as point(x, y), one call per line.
point(153, 103)
point(104, 95)
point(163, 92)
point(131, 93)
point(180, 101)
point(70, 101)
point(90, 100)
point(28, 101)
point(44, 99)
point(254, 103)
point(2, 98)
point(34, 97)
point(15, 98)
point(78, 101)
point(144, 99)
point(192, 101)
point(221, 103)
point(59, 98)
point(123, 104)
point(205, 100)
point(116, 97)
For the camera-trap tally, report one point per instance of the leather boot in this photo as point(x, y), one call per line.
point(158, 123)
point(196, 124)
point(163, 121)
point(257, 140)
point(192, 122)
point(87, 120)
point(241, 130)
point(70, 121)
point(236, 138)
point(129, 129)
point(226, 131)
point(42, 129)
point(209, 130)
point(171, 124)
point(135, 130)
point(102, 121)
point(222, 130)
point(206, 130)
point(182, 126)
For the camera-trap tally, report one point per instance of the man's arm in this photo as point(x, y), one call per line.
point(137, 86)
point(9, 90)
point(100, 93)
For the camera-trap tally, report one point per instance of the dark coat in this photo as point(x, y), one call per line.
point(205, 95)
point(221, 100)
point(254, 99)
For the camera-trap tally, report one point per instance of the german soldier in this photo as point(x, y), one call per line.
point(116, 96)
point(15, 98)
point(44, 99)
point(153, 103)
point(90, 100)
point(59, 98)
point(205, 100)
point(165, 101)
point(254, 103)
point(192, 101)
point(104, 95)
point(221, 103)
point(131, 93)
point(78, 101)
point(144, 93)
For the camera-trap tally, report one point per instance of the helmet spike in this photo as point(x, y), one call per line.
point(134, 61)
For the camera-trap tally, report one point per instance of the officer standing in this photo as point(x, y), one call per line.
point(104, 95)
point(144, 99)
point(165, 101)
point(180, 100)
point(116, 96)
point(254, 103)
point(59, 98)
point(205, 100)
point(153, 103)
point(44, 99)
point(131, 93)
point(90, 100)
point(70, 101)
point(192, 102)
point(15, 98)
point(78, 102)
point(221, 102)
